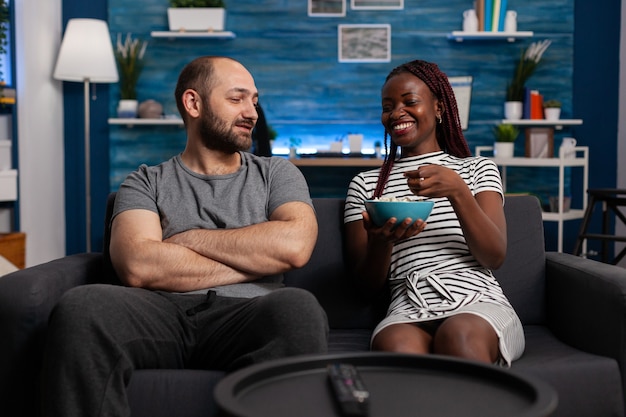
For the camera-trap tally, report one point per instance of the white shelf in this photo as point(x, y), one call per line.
point(460, 36)
point(581, 160)
point(212, 35)
point(557, 124)
point(147, 122)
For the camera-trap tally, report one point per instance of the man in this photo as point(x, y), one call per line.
point(200, 241)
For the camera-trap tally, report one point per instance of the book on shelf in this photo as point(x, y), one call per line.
point(503, 6)
point(488, 14)
point(495, 17)
point(526, 105)
point(479, 5)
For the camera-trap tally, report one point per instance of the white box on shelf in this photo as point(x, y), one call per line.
point(5, 154)
point(8, 185)
point(206, 19)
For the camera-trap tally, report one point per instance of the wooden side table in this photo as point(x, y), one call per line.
point(13, 248)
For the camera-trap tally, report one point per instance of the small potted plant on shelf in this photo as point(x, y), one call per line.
point(196, 15)
point(129, 55)
point(526, 66)
point(505, 135)
point(552, 109)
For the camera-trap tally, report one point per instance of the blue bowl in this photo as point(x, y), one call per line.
point(381, 211)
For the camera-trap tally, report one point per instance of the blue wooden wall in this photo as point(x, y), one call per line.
point(307, 93)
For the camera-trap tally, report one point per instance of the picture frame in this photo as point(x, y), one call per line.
point(364, 43)
point(327, 8)
point(539, 142)
point(377, 4)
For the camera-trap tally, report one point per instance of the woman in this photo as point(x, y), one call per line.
point(444, 298)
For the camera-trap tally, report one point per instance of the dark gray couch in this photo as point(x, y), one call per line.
point(573, 311)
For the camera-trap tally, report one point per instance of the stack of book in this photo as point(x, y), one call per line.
point(533, 104)
point(490, 15)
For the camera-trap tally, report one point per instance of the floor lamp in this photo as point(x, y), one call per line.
point(86, 56)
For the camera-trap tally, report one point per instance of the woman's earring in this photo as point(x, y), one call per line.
point(439, 119)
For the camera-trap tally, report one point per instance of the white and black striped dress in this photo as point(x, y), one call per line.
point(433, 275)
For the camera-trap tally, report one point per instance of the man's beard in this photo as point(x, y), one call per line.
point(216, 134)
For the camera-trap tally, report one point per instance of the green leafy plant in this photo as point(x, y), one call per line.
point(129, 54)
point(271, 132)
point(528, 62)
point(505, 132)
point(197, 3)
point(555, 104)
point(294, 142)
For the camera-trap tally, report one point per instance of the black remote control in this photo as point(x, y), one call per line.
point(350, 392)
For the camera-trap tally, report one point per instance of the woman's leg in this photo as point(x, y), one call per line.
point(467, 336)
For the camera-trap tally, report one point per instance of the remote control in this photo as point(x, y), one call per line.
point(349, 390)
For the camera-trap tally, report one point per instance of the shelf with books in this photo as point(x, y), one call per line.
point(460, 36)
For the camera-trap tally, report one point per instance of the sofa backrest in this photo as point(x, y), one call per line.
point(325, 275)
point(521, 276)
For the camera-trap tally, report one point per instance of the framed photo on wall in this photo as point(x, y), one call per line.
point(539, 142)
point(364, 43)
point(327, 8)
point(377, 4)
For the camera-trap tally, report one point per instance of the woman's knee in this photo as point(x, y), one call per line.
point(467, 336)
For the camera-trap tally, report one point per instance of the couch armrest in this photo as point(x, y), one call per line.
point(586, 304)
point(26, 298)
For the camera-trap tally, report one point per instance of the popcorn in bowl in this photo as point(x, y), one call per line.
point(383, 208)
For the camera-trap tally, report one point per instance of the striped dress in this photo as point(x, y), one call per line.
point(433, 275)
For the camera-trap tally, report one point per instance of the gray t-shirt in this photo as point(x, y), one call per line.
point(186, 200)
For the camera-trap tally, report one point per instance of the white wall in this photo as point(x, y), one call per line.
point(38, 29)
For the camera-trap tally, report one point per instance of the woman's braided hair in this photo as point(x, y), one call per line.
point(449, 131)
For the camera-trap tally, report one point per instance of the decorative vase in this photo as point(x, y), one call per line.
point(204, 19)
point(513, 110)
point(127, 109)
point(552, 113)
point(150, 109)
point(503, 149)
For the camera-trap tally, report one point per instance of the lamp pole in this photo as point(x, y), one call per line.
point(87, 168)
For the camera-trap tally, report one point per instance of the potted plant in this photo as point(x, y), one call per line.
point(505, 135)
point(552, 109)
point(529, 59)
point(196, 15)
point(293, 146)
point(129, 55)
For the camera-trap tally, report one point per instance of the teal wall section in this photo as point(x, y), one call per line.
point(307, 93)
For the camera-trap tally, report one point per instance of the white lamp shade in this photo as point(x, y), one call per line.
point(86, 53)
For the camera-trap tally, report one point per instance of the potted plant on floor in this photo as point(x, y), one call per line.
point(526, 66)
point(552, 109)
point(196, 15)
point(505, 135)
point(129, 55)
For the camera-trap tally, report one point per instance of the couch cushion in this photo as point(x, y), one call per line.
point(587, 385)
point(522, 276)
point(326, 277)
